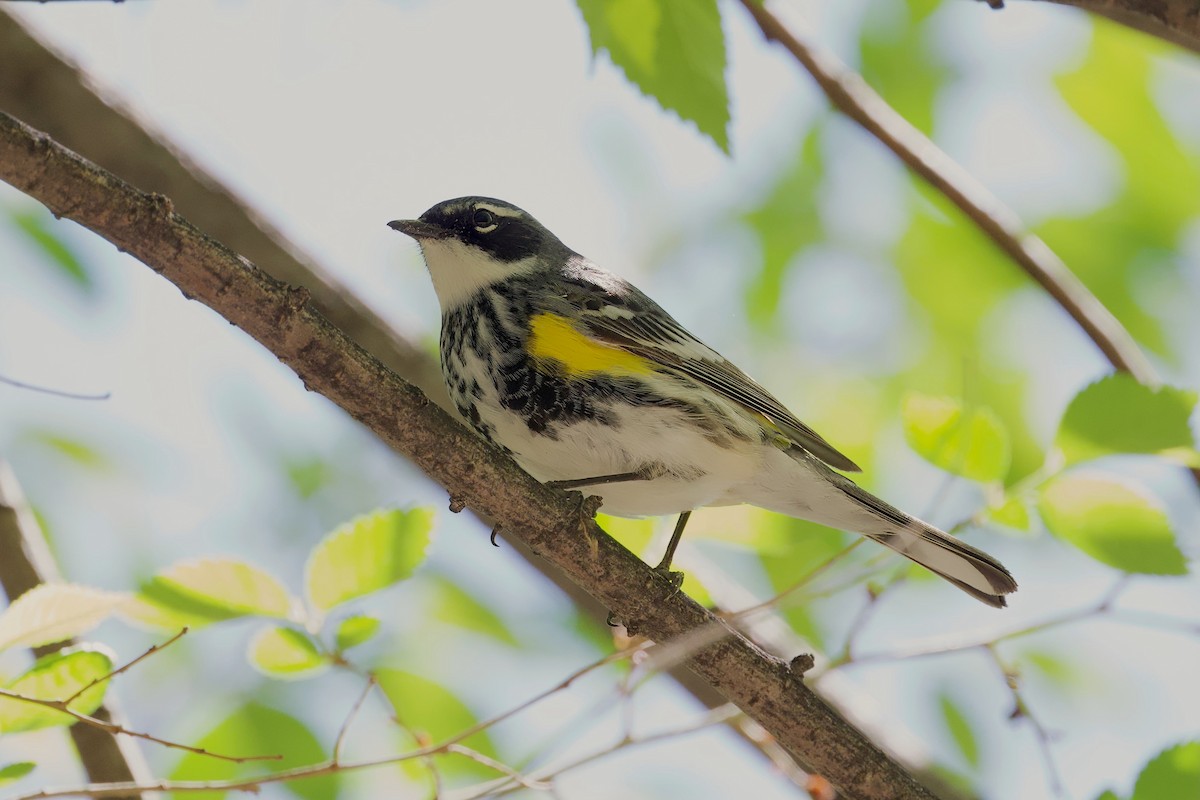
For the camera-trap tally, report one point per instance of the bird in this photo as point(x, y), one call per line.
point(589, 384)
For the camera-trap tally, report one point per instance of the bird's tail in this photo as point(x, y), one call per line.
point(968, 568)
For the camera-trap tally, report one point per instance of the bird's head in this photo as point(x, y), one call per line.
point(472, 242)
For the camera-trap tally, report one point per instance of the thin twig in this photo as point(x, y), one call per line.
point(154, 648)
point(500, 767)
point(55, 392)
point(1021, 710)
point(349, 720)
point(121, 730)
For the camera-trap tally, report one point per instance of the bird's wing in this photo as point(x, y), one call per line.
point(618, 314)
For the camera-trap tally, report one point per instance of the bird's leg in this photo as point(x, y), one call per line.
point(600, 480)
point(664, 566)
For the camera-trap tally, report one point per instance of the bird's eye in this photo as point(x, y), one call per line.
point(485, 221)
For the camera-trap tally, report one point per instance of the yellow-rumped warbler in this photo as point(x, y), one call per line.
point(586, 381)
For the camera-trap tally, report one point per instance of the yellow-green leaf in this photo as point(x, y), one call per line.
point(57, 676)
point(353, 631)
point(1011, 512)
point(11, 773)
point(1173, 774)
point(960, 729)
point(286, 653)
point(969, 442)
point(457, 606)
point(1113, 523)
point(198, 593)
point(672, 51)
point(53, 612)
point(367, 554)
point(1117, 414)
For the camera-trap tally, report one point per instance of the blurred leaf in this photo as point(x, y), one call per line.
point(353, 631)
point(52, 612)
point(200, 592)
point(308, 476)
point(1108, 794)
point(960, 730)
point(1173, 774)
point(899, 62)
point(37, 226)
point(286, 653)
point(1116, 414)
point(457, 606)
point(1012, 512)
point(367, 554)
point(255, 730)
point(802, 547)
point(81, 453)
point(786, 222)
point(1137, 234)
point(56, 676)
point(968, 442)
point(673, 52)
point(433, 713)
point(1112, 523)
point(11, 773)
point(952, 270)
point(1053, 667)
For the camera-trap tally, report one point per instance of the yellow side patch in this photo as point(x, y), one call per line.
point(554, 339)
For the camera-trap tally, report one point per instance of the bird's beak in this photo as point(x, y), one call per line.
point(418, 229)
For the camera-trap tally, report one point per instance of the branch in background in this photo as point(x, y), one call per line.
point(555, 525)
point(1176, 21)
point(27, 563)
point(50, 94)
point(847, 90)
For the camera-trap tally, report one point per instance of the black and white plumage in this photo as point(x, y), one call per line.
point(578, 374)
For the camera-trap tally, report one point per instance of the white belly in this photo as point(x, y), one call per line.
point(698, 471)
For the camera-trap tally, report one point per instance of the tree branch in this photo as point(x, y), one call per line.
point(1176, 21)
point(27, 563)
point(283, 320)
point(847, 90)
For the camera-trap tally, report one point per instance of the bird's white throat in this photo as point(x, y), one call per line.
point(459, 270)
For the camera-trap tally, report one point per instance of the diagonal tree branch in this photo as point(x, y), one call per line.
point(27, 563)
point(551, 523)
point(847, 90)
point(1176, 21)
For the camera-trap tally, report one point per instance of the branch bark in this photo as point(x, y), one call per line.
point(1176, 21)
point(282, 319)
point(847, 90)
point(27, 563)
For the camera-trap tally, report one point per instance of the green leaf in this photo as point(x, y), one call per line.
point(1108, 794)
point(256, 730)
point(1116, 414)
point(1173, 774)
point(431, 711)
point(11, 773)
point(353, 631)
point(1113, 523)
point(787, 221)
point(40, 231)
point(672, 51)
point(56, 676)
point(960, 730)
point(1012, 512)
point(968, 442)
point(367, 554)
point(286, 653)
point(53, 612)
point(204, 591)
point(1056, 669)
point(458, 607)
point(83, 454)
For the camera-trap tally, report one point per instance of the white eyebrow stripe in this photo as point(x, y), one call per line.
point(499, 211)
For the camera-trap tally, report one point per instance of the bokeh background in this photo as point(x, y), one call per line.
point(809, 255)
